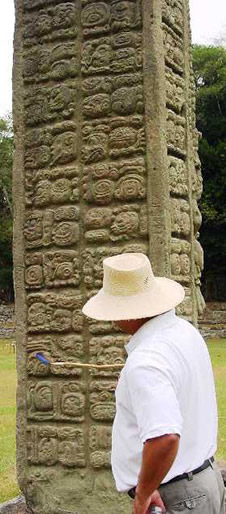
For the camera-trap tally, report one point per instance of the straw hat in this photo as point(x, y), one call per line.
point(131, 291)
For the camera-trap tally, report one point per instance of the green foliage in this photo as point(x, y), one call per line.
point(209, 64)
point(6, 162)
point(210, 77)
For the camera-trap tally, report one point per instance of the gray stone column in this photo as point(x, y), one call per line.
point(106, 162)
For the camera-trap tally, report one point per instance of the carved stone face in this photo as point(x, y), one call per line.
point(126, 222)
point(130, 188)
point(124, 100)
point(43, 156)
point(59, 70)
point(31, 65)
point(199, 256)
point(96, 138)
point(125, 59)
point(98, 217)
point(38, 109)
point(65, 15)
point(65, 233)
point(95, 14)
point(123, 137)
point(70, 345)
point(61, 190)
point(122, 11)
point(103, 411)
point(59, 98)
point(30, 159)
point(97, 105)
point(64, 270)
point(103, 191)
point(64, 148)
point(124, 39)
point(61, 320)
point(73, 404)
point(33, 229)
point(185, 264)
point(43, 23)
point(47, 451)
point(43, 398)
point(111, 354)
point(175, 264)
point(100, 437)
point(101, 56)
point(34, 275)
point(37, 314)
point(42, 193)
point(185, 225)
point(67, 452)
point(65, 343)
point(196, 216)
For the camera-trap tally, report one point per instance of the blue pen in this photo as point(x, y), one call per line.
point(42, 358)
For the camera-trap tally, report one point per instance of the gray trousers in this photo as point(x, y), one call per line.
point(204, 494)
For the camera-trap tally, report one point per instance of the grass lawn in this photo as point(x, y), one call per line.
point(8, 482)
point(217, 349)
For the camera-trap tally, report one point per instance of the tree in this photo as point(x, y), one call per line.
point(209, 64)
point(6, 215)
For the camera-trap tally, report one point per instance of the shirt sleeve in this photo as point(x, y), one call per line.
point(154, 402)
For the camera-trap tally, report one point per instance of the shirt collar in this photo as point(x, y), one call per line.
point(161, 320)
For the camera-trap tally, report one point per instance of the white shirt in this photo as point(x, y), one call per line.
point(165, 387)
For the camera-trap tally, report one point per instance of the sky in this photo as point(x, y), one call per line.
point(208, 22)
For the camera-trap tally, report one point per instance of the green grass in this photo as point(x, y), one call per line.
point(8, 483)
point(217, 349)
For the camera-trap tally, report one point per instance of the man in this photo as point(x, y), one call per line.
point(165, 429)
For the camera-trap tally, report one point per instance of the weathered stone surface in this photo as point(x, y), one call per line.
point(106, 162)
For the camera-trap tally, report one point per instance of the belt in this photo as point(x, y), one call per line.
point(188, 476)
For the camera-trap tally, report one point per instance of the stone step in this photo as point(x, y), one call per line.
point(214, 306)
point(213, 319)
point(211, 333)
point(218, 312)
point(212, 323)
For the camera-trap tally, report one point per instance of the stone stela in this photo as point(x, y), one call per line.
point(106, 162)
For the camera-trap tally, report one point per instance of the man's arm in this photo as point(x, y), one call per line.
point(158, 456)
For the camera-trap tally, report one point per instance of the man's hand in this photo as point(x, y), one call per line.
point(141, 506)
point(158, 456)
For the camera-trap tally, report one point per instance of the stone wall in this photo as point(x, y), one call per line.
point(106, 162)
point(7, 321)
point(212, 322)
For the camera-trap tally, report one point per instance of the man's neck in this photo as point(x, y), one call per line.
point(130, 326)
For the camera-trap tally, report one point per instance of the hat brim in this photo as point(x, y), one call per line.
point(163, 296)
